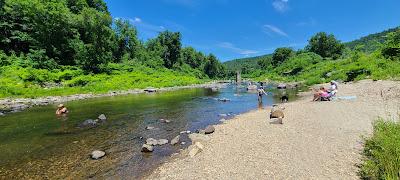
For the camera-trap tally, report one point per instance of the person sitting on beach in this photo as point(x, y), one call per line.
point(333, 88)
point(322, 92)
point(61, 109)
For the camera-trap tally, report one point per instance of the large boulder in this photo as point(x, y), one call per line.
point(277, 114)
point(97, 154)
point(151, 141)
point(162, 141)
point(195, 137)
point(209, 129)
point(147, 148)
point(175, 140)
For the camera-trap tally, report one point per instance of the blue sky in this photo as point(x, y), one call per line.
point(236, 28)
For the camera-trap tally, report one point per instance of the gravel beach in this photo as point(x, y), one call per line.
point(317, 140)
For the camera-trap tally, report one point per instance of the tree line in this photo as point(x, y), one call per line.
point(48, 34)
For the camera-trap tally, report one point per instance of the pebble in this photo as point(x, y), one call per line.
point(97, 154)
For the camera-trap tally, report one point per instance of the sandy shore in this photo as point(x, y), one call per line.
point(318, 140)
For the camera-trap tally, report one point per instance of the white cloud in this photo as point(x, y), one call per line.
point(230, 46)
point(280, 5)
point(271, 28)
point(137, 20)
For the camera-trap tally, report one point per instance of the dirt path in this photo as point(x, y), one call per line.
point(318, 140)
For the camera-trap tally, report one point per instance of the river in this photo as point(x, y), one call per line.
point(37, 144)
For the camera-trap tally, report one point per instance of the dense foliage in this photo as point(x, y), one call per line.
point(55, 35)
point(309, 66)
point(280, 55)
point(382, 152)
point(370, 43)
point(327, 46)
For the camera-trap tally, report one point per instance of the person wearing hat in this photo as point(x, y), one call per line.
point(61, 109)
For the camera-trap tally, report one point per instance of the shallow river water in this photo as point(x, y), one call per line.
point(37, 144)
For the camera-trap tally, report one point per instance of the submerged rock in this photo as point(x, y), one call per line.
point(88, 123)
point(150, 127)
point(165, 121)
point(147, 148)
point(97, 154)
point(224, 99)
point(223, 115)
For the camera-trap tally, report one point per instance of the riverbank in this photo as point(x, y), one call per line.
point(10, 105)
point(318, 140)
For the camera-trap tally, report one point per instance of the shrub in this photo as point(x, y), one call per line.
point(381, 155)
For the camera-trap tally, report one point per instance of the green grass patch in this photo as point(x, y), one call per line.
point(381, 155)
point(17, 81)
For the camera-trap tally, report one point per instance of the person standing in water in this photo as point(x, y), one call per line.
point(260, 93)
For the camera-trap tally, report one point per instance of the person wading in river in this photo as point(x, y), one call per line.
point(61, 109)
point(260, 93)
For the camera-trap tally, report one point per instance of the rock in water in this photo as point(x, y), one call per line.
point(223, 115)
point(149, 128)
point(175, 140)
point(162, 141)
point(102, 117)
point(209, 129)
point(165, 121)
point(97, 154)
point(88, 123)
point(147, 148)
point(151, 142)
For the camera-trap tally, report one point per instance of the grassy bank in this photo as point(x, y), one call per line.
point(17, 81)
point(311, 69)
point(382, 152)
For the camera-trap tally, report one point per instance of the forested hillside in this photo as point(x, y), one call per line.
point(326, 58)
point(75, 46)
point(371, 42)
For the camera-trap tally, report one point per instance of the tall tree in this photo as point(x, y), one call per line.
point(280, 55)
point(327, 46)
point(98, 39)
point(171, 43)
point(126, 39)
point(212, 67)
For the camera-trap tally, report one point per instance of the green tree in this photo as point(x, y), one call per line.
point(280, 55)
point(213, 68)
point(265, 62)
point(391, 47)
point(171, 46)
point(191, 57)
point(96, 42)
point(127, 43)
point(327, 46)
